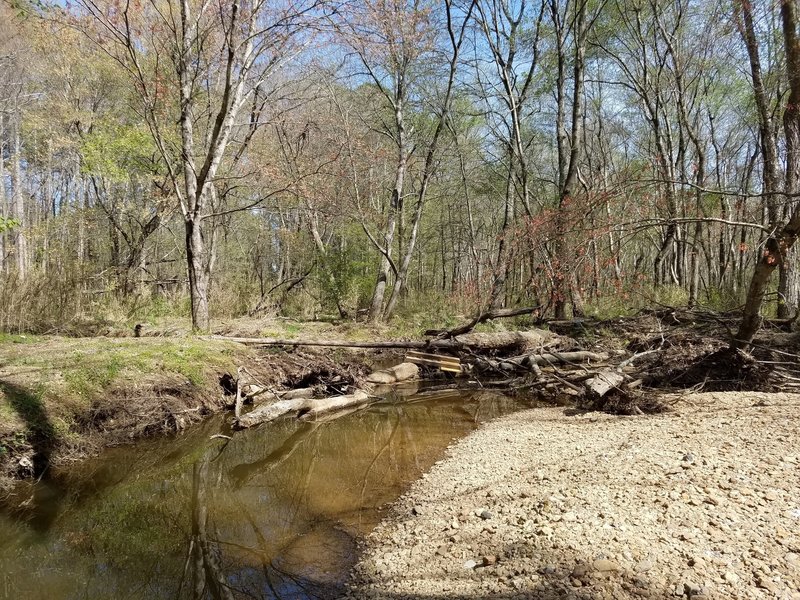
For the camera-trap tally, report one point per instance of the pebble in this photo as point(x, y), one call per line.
point(548, 570)
point(603, 564)
point(731, 577)
point(643, 566)
point(580, 570)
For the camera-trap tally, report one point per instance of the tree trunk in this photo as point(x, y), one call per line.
point(780, 242)
point(20, 239)
point(199, 276)
point(569, 153)
point(4, 206)
point(791, 131)
point(395, 207)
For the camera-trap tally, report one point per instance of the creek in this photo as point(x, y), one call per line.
point(275, 512)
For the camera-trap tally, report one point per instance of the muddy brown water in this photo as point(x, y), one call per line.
point(275, 512)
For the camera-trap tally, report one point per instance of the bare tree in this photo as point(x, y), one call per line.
point(512, 35)
point(783, 234)
point(218, 56)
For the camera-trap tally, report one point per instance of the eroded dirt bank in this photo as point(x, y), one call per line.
point(702, 502)
point(62, 399)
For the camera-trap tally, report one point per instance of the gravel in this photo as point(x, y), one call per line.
point(702, 502)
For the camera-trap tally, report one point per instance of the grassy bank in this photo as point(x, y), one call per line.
point(62, 398)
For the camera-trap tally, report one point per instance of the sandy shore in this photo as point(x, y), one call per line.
point(702, 502)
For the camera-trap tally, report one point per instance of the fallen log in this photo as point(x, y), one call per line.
point(269, 412)
point(304, 408)
point(480, 341)
point(528, 361)
point(304, 393)
point(321, 406)
point(499, 313)
point(602, 383)
point(399, 390)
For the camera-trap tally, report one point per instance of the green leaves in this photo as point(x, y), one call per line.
point(7, 224)
point(115, 151)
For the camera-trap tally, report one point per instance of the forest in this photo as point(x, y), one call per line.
point(375, 158)
point(426, 299)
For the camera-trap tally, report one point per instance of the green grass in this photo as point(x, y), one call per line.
point(12, 338)
point(52, 387)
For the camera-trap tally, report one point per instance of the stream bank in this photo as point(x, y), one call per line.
point(699, 502)
point(63, 399)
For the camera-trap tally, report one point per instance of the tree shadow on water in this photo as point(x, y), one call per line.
point(41, 436)
point(40, 433)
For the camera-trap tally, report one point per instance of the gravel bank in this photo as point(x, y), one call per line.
point(703, 502)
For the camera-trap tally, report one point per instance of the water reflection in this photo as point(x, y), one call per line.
point(273, 513)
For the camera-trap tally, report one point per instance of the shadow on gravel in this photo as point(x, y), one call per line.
point(538, 574)
point(546, 589)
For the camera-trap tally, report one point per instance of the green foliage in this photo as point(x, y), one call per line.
point(7, 224)
point(89, 375)
point(115, 150)
point(29, 406)
point(424, 311)
point(343, 275)
point(721, 299)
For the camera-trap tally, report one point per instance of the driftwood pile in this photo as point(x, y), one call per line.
point(302, 404)
point(538, 361)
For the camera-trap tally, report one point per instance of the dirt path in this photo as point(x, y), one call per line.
point(703, 502)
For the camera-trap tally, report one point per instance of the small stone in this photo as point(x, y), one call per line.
point(470, 564)
point(489, 560)
point(547, 570)
point(545, 531)
point(763, 582)
point(604, 565)
point(731, 577)
point(688, 458)
point(569, 517)
point(580, 571)
point(696, 561)
point(695, 592)
point(644, 566)
point(441, 551)
point(417, 510)
point(485, 514)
